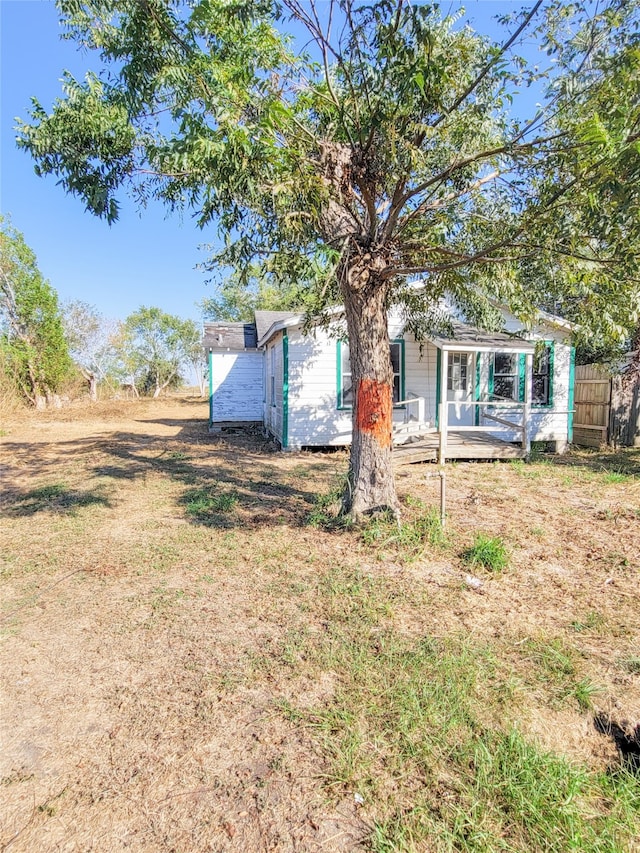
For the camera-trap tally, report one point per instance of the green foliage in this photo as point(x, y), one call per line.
point(239, 296)
point(487, 552)
point(153, 347)
point(31, 330)
point(399, 142)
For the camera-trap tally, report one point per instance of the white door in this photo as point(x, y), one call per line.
point(459, 389)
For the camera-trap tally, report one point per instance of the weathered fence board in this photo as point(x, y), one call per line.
point(607, 409)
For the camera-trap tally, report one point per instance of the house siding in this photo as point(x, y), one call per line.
point(236, 386)
point(547, 423)
point(313, 415)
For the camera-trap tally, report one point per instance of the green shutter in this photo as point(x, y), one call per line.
point(572, 380)
point(550, 344)
point(285, 389)
point(522, 376)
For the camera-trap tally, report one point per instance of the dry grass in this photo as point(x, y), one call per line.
point(172, 627)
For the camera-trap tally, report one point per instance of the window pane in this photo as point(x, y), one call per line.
point(504, 363)
point(541, 361)
point(395, 357)
point(541, 390)
point(504, 387)
point(347, 391)
point(346, 364)
point(396, 389)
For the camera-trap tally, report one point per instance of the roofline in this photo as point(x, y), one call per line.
point(520, 345)
point(545, 316)
point(293, 320)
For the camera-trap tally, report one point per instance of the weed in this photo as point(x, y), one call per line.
point(557, 670)
point(615, 477)
point(582, 692)
point(592, 620)
point(408, 538)
point(206, 504)
point(406, 730)
point(326, 510)
point(487, 551)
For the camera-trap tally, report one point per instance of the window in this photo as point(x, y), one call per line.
point(272, 380)
point(345, 384)
point(457, 372)
point(396, 364)
point(506, 385)
point(543, 374)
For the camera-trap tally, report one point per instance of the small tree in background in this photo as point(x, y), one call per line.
point(90, 339)
point(153, 349)
point(36, 353)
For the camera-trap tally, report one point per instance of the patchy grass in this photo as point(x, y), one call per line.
point(200, 655)
point(206, 505)
point(487, 552)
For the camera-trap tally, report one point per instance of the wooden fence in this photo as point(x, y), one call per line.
point(607, 410)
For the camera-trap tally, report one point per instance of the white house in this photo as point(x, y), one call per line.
point(474, 394)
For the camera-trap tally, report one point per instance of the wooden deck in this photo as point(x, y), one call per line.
point(460, 445)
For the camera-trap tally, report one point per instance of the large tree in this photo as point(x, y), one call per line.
point(31, 330)
point(154, 347)
point(392, 144)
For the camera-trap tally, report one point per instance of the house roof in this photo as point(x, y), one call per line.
point(266, 319)
point(469, 339)
point(230, 336)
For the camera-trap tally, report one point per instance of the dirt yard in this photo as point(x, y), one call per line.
point(165, 598)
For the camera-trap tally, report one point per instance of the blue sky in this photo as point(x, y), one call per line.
point(146, 258)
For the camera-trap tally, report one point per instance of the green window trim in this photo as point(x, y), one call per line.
point(572, 381)
point(340, 406)
point(521, 377)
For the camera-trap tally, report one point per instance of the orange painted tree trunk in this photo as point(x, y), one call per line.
point(371, 486)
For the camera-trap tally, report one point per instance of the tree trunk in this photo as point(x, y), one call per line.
point(93, 388)
point(371, 485)
point(92, 381)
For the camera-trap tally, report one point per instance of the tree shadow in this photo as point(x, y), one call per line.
point(56, 497)
point(228, 481)
point(626, 739)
